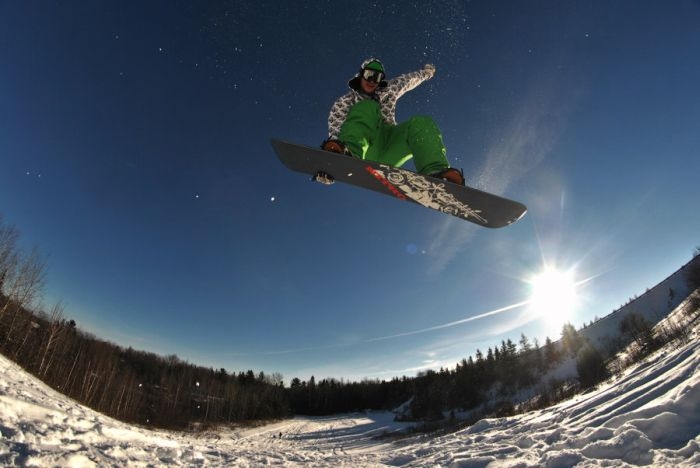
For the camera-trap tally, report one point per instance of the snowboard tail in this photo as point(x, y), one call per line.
point(470, 204)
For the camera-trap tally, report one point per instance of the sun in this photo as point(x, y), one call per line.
point(553, 294)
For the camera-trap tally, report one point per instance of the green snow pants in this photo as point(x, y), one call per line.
point(368, 136)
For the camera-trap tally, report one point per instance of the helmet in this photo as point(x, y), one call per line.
point(371, 63)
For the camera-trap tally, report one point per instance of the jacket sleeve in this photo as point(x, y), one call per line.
point(339, 111)
point(405, 83)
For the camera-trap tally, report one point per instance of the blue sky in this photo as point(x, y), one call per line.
point(134, 153)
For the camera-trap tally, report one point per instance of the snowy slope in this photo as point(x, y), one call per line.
point(648, 416)
point(655, 304)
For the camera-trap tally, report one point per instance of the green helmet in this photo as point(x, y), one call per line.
point(373, 64)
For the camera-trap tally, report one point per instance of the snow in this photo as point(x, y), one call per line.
point(649, 415)
point(654, 304)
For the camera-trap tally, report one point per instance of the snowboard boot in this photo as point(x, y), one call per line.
point(456, 176)
point(335, 146)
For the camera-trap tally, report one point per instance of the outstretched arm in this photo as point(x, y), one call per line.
point(405, 83)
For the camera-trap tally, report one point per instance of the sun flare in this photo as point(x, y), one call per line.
point(553, 293)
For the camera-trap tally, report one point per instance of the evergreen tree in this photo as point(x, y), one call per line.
point(551, 354)
point(590, 366)
point(571, 340)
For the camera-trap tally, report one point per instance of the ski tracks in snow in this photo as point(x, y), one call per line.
point(649, 416)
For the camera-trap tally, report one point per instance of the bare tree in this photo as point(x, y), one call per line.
point(24, 282)
point(52, 339)
point(8, 252)
point(24, 287)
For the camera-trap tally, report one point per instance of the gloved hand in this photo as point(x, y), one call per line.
point(335, 146)
point(430, 68)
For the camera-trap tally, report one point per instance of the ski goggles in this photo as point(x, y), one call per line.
point(375, 76)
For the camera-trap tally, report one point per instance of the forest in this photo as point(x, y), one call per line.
point(144, 388)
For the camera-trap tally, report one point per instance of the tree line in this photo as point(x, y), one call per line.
point(497, 374)
point(144, 388)
point(129, 385)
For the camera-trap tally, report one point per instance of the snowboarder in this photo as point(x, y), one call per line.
point(362, 123)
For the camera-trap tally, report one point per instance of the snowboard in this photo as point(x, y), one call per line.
point(470, 204)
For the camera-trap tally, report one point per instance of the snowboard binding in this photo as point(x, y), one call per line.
point(323, 178)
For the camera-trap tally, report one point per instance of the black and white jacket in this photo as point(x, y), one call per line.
point(386, 95)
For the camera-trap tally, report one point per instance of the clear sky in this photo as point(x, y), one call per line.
point(134, 153)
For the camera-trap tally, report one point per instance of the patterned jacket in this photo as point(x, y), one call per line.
point(386, 94)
